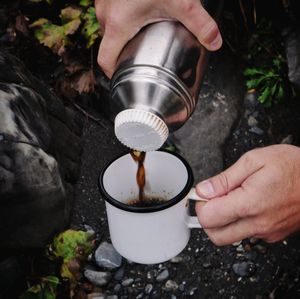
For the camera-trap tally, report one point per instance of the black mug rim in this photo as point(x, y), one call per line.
point(162, 206)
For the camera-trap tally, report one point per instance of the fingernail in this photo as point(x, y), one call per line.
point(216, 44)
point(206, 188)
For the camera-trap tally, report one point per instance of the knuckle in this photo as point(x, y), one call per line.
point(249, 160)
point(222, 181)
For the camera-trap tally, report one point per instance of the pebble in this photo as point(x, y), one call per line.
point(206, 265)
point(244, 269)
point(127, 282)
point(171, 285)
point(256, 130)
point(162, 276)
point(222, 291)
point(287, 140)
point(240, 248)
point(252, 121)
point(117, 287)
point(237, 243)
point(95, 296)
point(111, 297)
point(148, 288)
point(193, 290)
point(173, 297)
point(119, 274)
point(177, 259)
point(1, 137)
point(181, 287)
point(107, 257)
point(262, 249)
point(140, 296)
point(97, 278)
point(253, 240)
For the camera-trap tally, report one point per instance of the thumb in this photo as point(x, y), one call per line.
point(231, 178)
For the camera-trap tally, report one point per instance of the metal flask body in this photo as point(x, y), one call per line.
point(160, 71)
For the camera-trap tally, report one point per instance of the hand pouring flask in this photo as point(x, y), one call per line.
point(156, 85)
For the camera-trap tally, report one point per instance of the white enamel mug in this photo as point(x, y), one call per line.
point(155, 234)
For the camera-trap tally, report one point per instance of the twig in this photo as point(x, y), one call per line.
point(244, 15)
point(97, 120)
point(254, 11)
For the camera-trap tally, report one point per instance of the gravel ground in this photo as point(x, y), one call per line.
point(250, 269)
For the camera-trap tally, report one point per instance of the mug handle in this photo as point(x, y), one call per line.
point(193, 222)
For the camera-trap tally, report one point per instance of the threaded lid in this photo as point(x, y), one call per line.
point(140, 130)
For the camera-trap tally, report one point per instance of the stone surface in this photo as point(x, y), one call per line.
point(39, 158)
point(98, 278)
point(107, 257)
point(162, 276)
point(201, 139)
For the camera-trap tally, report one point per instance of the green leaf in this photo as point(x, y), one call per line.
point(280, 94)
point(264, 97)
point(90, 29)
point(250, 72)
point(72, 26)
point(38, 1)
point(46, 289)
point(85, 3)
point(72, 244)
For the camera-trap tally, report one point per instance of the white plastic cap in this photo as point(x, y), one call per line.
point(140, 130)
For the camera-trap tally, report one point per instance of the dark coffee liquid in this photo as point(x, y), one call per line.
point(142, 201)
point(146, 202)
point(139, 157)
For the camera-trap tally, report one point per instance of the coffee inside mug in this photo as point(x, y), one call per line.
point(169, 178)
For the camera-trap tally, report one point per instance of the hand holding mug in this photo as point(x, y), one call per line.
point(258, 196)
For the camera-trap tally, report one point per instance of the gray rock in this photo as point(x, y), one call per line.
point(127, 282)
point(97, 278)
point(240, 248)
point(107, 257)
point(252, 121)
point(119, 274)
point(287, 140)
point(201, 139)
point(173, 296)
point(193, 290)
point(171, 285)
point(256, 130)
point(206, 265)
point(182, 287)
point(254, 240)
point(140, 296)
point(39, 158)
point(244, 269)
point(96, 296)
point(177, 259)
point(148, 288)
point(262, 249)
point(117, 287)
point(162, 276)
point(111, 297)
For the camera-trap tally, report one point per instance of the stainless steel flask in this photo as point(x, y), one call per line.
point(156, 85)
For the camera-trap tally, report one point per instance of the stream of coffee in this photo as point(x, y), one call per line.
point(139, 157)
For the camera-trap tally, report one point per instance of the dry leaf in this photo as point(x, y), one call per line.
point(85, 83)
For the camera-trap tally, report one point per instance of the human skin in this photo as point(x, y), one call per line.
point(121, 20)
point(258, 196)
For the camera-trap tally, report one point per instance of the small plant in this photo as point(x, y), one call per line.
point(269, 82)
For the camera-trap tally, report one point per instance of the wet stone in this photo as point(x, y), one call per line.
point(97, 278)
point(127, 282)
point(286, 140)
point(252, 121)
point(95, 296)
point(140, 296)
point(222, 291)
point(240, 248)
point(111, 297)
point(256, 130)
point(262, 249)
point(177, 259)
point(193, 291)
point(148, 288)
point(181, 287)
point(206, 265)
point(162, 276)
point(117, 288)
point(151, 275)
point(173, 297)
point(253, 240)
point(119, 274)
point(244, 269)
point(107, 257)
point(171, 285)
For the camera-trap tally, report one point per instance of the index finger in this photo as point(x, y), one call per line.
point(223, 210)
